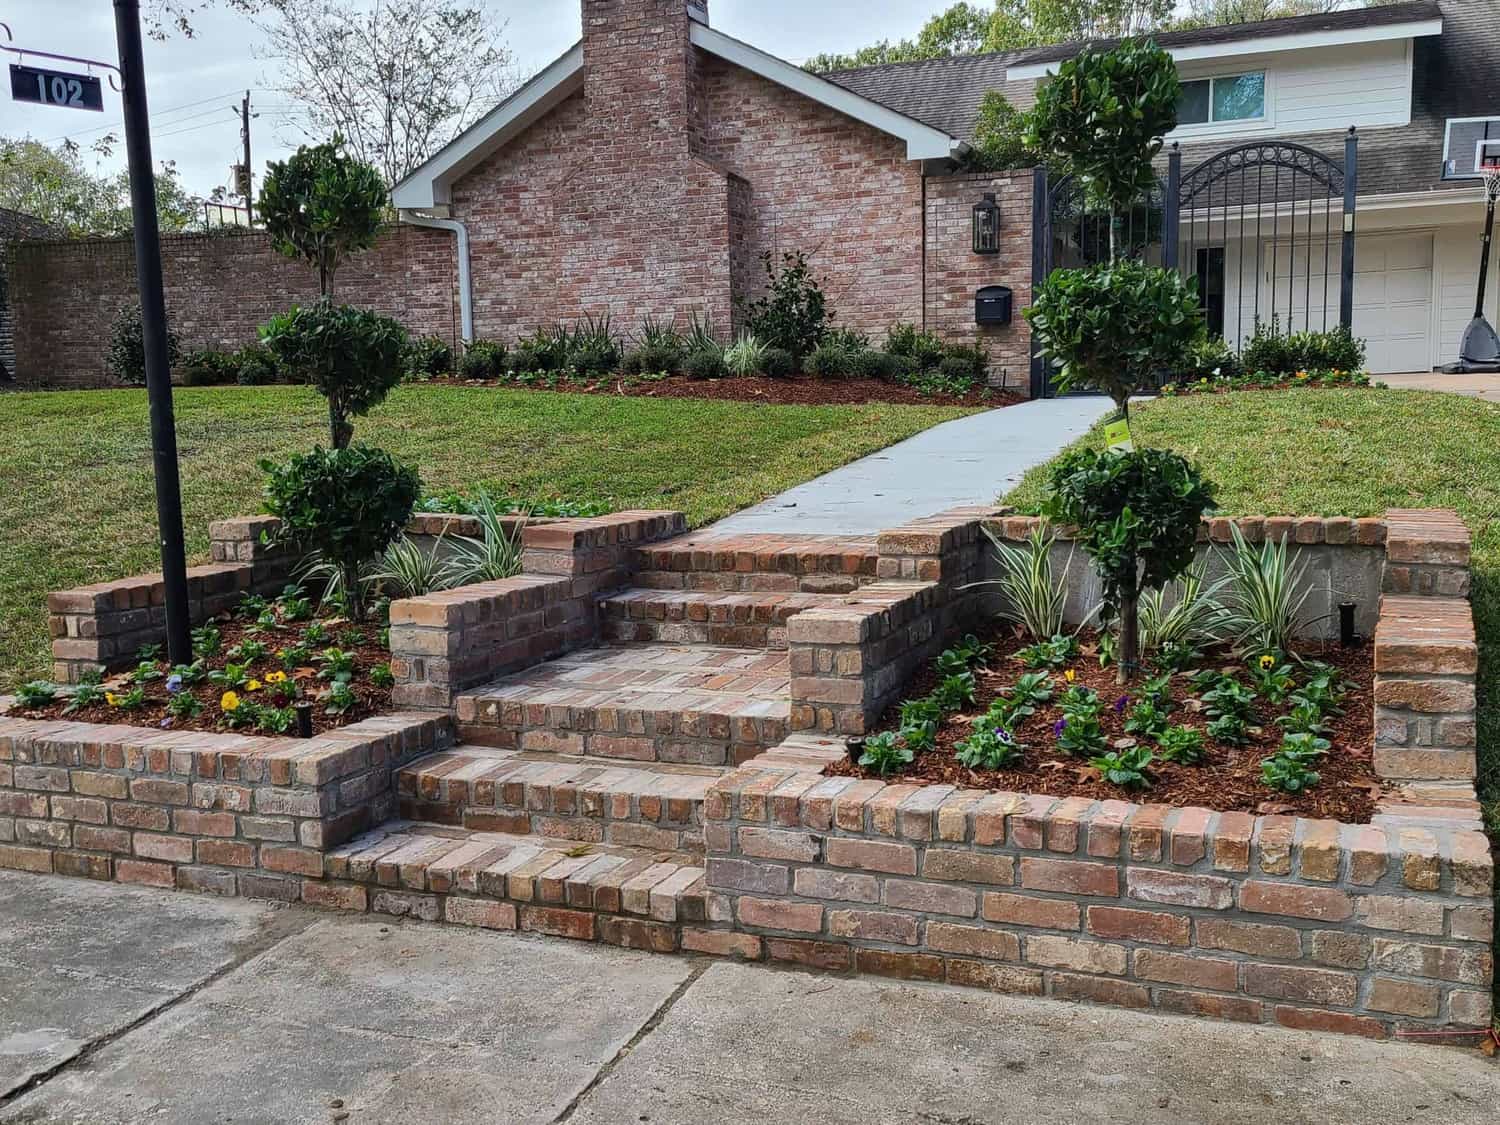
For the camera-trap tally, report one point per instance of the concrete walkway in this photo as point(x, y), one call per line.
point(1471, 386)
point(123, 1005)
point(967, 461)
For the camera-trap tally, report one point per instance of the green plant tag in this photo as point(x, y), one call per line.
point(1117, 437)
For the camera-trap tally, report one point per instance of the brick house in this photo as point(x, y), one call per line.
point(647, 171)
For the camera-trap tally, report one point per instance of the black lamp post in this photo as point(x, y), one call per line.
point(987, 225)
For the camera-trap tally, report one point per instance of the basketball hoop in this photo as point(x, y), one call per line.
point(1489, 172)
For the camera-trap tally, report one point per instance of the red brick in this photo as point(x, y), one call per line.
point(36, 860)
point(996, 978)
point(1025, 910)
point(1100, 990)
point(871, 855)
point(1313, 986)
point(842, 886)
point(931, 898)
point(962, 866)
point(1139, 925)
point(874, 925)
point(905, 966)
point(1069, 876)
point(146, 874)
point(172, 849)
point(339, 896)
point(1323, 904)
point(813, 954)
point(80, 865)
point(973, 941)
point(721, 943)
point(1208, 1004)
point(773, 843)
point(292, 861)
point(1249, 937)
point(635, 933)
point(1072, 953)
point(1175, 888)
point(1315, 1019)
point(232, 853)
point(558, 921)
point(1191, 970)
point(776, 914)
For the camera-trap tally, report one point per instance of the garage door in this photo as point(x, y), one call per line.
point(1392, 295)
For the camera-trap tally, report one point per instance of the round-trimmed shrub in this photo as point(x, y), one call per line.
point(653, 359)
point(207, 367)
point(827, 361)
point(705, 363)
point(348, 504)
point(127, 348)
point(874, 365)
point(973, 357)
point(778, 363)
point(353, 357)
point(483, 359)
point(255, 366)
point(958, 370)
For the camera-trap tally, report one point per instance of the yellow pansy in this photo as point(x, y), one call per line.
point(112, 699)
point(1070, 675)
point(253, 685)
point(229, 701)
point(275, 677)
point(1267, 660)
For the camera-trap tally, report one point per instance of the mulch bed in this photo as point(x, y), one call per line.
point(796, 391)
point(372, 700)
point(1228, 779)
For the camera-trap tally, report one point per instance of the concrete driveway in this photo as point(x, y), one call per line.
point(1472, 386)
point(121, 1005)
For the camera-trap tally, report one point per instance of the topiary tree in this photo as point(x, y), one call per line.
point(321, 206)
point(1111, 326)
point(1137, 518)
point(1102, 119)
point(347, 504)
point(794, 314)
point(353, 356)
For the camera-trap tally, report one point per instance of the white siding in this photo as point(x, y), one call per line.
point(1456, 281)
point(1366, 85)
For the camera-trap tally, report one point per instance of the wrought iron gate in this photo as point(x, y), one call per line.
point(1254, 223)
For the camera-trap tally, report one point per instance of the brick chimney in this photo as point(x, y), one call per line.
point(639, 71)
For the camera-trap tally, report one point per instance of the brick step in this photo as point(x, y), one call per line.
point(563, 798)
point(501, 880)
point(690, 704)
point(815, 564)
point(751, 619)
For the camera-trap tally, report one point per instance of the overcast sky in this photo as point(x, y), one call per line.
point(192, 84)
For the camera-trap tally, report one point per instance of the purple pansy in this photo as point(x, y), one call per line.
point(1059, 726)
point(166, 723)
point(174, 683)
point(1122, 703)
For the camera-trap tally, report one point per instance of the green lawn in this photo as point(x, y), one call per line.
point(78, 504)
point(1351, 453)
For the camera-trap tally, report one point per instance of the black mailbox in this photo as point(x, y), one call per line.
point(992, 305)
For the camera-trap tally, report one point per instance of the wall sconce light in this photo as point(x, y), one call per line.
point(987, 225)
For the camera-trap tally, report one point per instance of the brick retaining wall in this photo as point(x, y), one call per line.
point(1310, 924)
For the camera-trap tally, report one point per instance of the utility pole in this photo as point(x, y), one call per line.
point(245, 136)
point(154, 330)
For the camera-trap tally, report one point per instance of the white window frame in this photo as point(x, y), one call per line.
point(1264, 122)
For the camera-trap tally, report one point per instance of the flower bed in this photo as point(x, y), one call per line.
point(987, 744)
point(251, 670)
point(1267, 381)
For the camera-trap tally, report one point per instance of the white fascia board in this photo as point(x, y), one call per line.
point(923, 142)
point(1412, 29)
point(429, 185)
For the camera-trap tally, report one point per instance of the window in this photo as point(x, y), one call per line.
point(1233, 97)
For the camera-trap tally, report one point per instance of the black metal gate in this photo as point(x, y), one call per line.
point(1254, 223)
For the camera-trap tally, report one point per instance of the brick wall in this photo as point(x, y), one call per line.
point(14, 226)
point(1309, 924)
point(953, 272)
point(66, 295)
point(223, 813)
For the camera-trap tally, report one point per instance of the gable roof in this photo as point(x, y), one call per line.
point(430, 185)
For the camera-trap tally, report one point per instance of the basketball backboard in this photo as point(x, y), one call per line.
point(1466, 142)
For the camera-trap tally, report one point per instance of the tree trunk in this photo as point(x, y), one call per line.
point(1129, 666)
point(353, 596)
point(338, 430)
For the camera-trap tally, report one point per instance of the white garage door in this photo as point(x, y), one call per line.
point(1392, 295)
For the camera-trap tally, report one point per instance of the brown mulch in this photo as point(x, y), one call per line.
point(372, 700)
point(795, 391)
point(1228, 779)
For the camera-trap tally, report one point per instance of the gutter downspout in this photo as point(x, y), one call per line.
point(465, 293)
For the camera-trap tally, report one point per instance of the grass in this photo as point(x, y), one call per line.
point(1350, 453)
point(79, 507)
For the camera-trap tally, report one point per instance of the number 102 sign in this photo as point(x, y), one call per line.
point(55, 87)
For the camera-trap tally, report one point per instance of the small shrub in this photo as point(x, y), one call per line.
point(127, 348)
point(827, 361)
point(1210, 358)
point(593, 348)
point(1146, 720)
point(958, 372)
point(794, 313)
point(915, 712)
point(653, 359)
point(1079, 734)
point(207, 367)
point(1053, 653)
point(255, 366)
point(348, 504)
point(546, 349)
point(1267, 350)
point(885, 754)
point(1267, 594)
point(778, 363)
point(37, 693)
point(870, 364)
point(975, 359)
point(701, 336)
point(1335, 350)
point(483, 359)
point(705, 364)
point(954, 693)
point(655, 334)
point(923, 348)
point(427, 357)
point(746, 355)
point(1290, 768)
